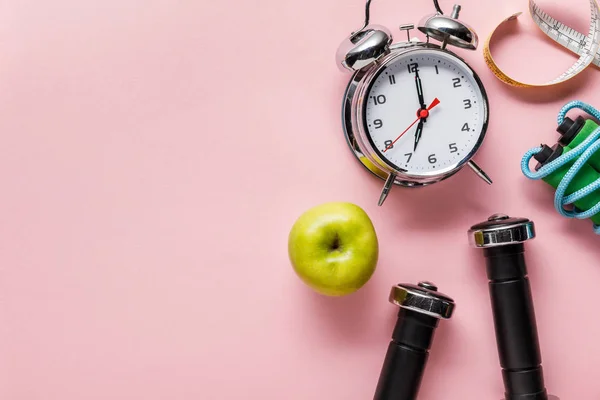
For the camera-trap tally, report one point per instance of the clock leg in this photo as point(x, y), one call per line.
point(480, 173)
point(386, 188)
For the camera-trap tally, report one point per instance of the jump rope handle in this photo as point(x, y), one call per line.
point(501, 239)
point(571, 166)
point(421, 308)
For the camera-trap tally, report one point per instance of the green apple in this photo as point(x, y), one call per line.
point(333, 248)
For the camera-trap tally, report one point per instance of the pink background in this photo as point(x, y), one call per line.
point(155, 154)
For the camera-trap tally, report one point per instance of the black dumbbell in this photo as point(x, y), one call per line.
point(501, 239)
point(421, 308)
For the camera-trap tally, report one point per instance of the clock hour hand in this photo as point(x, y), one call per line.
point(421, 115)
point(418, 133)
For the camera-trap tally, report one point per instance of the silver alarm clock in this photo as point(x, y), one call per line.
point(414, 113)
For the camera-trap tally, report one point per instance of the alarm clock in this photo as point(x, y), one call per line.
point(414, 113)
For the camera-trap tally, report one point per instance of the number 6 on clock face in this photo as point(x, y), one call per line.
point(441, 139)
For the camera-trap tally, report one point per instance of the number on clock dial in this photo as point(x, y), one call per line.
point(451, 130)
point(379, 99)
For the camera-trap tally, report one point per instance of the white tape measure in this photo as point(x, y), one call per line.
point(586, 46)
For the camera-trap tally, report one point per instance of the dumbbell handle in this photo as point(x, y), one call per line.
point(515, 324)
point(406, 356)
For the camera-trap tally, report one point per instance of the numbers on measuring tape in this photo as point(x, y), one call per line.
point(586, 45)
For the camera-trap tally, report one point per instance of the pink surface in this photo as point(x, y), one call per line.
point(156, 153)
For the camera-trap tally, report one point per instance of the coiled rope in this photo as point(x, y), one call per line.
point(581, 154)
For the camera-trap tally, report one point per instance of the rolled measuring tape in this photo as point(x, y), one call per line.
point(584, 45)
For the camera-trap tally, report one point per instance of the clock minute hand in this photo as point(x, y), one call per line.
point(420, 90)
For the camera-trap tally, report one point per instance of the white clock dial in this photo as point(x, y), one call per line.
point(454, 126)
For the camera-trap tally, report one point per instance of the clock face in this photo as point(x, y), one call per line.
point(425, 112)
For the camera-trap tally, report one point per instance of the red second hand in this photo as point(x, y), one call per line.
point(421, 114)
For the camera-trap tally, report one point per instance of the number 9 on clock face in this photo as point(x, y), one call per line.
point(425, 112)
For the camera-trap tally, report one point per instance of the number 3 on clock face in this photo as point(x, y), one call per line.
point(453, 129)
